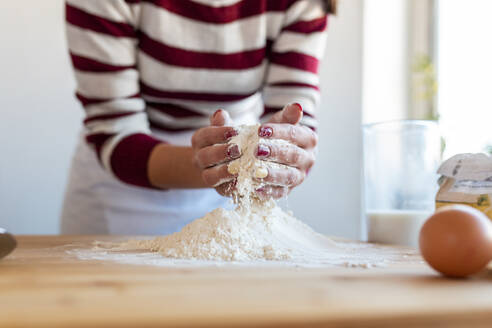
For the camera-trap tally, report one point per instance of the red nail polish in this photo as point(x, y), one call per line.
point(263, 151)
point(299, 107)
point(233, 151)
point(216, 112)
point(265, 132)
point(229, 134)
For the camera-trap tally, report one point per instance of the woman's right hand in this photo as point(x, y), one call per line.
point(212, 152)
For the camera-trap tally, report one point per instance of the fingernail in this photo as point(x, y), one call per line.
point(265, 132)
point(262, 193)
point(262, 151)
point(233, 151)
point(216, 112)
point(229, 134)
point(299, 107)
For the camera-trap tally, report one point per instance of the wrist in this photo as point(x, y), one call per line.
point(172, 167)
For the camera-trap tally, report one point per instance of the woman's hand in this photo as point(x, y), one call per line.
point(299, 156)
point(212, 153)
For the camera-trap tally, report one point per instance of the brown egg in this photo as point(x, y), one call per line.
point(457, 240)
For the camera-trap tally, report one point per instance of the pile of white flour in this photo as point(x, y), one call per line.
point(237, 235)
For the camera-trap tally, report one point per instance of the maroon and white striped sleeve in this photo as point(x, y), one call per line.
point(294, 59)
point(102, 43)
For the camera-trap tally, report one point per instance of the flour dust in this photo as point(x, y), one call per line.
point(255, 231)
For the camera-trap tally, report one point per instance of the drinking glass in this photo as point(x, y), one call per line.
point(401, 159)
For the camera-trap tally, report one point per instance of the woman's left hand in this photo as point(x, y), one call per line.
point(298, 156)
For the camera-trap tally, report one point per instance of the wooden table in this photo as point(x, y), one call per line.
point(43, 286)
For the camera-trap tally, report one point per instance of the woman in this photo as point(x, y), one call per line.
point(151, 76)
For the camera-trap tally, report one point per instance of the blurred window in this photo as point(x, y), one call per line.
point(464, 74)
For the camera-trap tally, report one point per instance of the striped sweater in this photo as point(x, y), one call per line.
point(169, 64)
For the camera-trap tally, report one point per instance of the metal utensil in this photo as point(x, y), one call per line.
point(7, 243)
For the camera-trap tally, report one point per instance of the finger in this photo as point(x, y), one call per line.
point(290, 114)
point(299, 135)
point(286, 176)
point(220, 118)
point(217, 154)
point(226, 188)
point(276, 192)
point(217, 175)
point(290, 155)
point(212, 135)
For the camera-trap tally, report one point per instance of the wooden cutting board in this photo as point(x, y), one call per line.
point(43, 286)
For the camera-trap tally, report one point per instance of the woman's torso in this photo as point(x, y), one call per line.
point(193, 58)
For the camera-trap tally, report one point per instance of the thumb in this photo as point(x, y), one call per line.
point(290, 114)
point(220, 118)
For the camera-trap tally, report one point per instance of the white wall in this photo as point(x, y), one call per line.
point(330, 199)
point(385, 61)
point(40, 118)
point(40, 122)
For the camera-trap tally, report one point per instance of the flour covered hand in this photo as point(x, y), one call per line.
point(281, 141)
point(213, 152)
point(298, 155)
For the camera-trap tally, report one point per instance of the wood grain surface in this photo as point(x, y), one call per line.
point(43, 286)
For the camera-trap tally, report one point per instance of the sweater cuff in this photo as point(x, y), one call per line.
point(129, 159)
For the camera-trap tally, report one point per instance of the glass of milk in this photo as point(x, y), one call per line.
point(401, 159)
